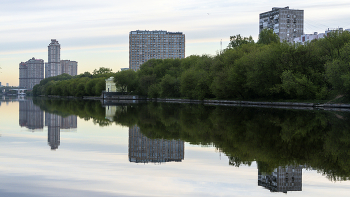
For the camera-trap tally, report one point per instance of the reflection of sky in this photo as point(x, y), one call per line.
point(93, 161)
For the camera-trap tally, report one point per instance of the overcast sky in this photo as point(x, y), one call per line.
point(95, 32)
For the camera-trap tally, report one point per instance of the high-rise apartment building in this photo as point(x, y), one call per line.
point(69, 67)
point(282, 179)
point(31, 73)
point(286, 23)
point(53, 67)
point(146, 45)
point(144, 150)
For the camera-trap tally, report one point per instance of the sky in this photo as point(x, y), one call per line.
point(96, 33)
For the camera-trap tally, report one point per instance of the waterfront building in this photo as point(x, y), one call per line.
point(286, 23)
point(31, 73)
point(146, 45)
point(282, 179)
point(144, 150)
point(69, 67)
point(110, 85)
point(53, 67)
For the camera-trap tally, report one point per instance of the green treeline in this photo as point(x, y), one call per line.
point(267, 69)
point(272, 137)
point(86, 84)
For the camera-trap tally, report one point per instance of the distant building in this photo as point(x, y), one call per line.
point(31, 73)
point(308, 37)
point(146, 45)
point(0, 84)
point(144, 150)
point(69, 67)
point(282, 179)
point(7, 85)
point(124, 69)
point(53, 67)
point(286, 23)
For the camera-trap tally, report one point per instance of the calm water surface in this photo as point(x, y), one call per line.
point(82, 148)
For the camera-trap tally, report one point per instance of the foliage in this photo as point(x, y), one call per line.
point(81, 85)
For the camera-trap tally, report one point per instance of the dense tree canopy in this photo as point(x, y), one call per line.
point(85, 84)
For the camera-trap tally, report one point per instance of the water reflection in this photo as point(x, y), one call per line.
point(143, 149)
point(31, 116)
point(54, 125)
point(282, 179)
point(278, 137)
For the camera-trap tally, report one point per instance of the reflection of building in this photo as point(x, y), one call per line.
point(31, 73)
point(110, 112)
point(146, 45)
point(30, 115)
point(286, 23)
point(54, 125)
point(144, 150)
point(69, 122)
point(282, 179)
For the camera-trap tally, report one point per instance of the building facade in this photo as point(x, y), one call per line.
point(31, 73)
point(286, 23)
point(282, 179)
point(69, 67)
point(146, 45)
point(53, 67)
point(144, 150)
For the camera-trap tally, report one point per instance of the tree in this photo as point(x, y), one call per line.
point(126, 80)
point(238, 40)
point(267, 36)
point(101, 70)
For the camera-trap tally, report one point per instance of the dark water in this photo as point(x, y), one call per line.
point(82, 148)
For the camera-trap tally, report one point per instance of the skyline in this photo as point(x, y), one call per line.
point(96, 34)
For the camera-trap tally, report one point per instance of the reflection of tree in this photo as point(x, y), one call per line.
point(83, 109)
point(274, 137)
point(277, 137)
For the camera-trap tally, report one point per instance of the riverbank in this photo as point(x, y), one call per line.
point(289, 105)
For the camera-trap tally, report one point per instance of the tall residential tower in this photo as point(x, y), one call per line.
point(53, 67)
point(286, 23)
point(146, 45)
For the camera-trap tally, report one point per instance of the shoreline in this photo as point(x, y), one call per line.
point(281, 105)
